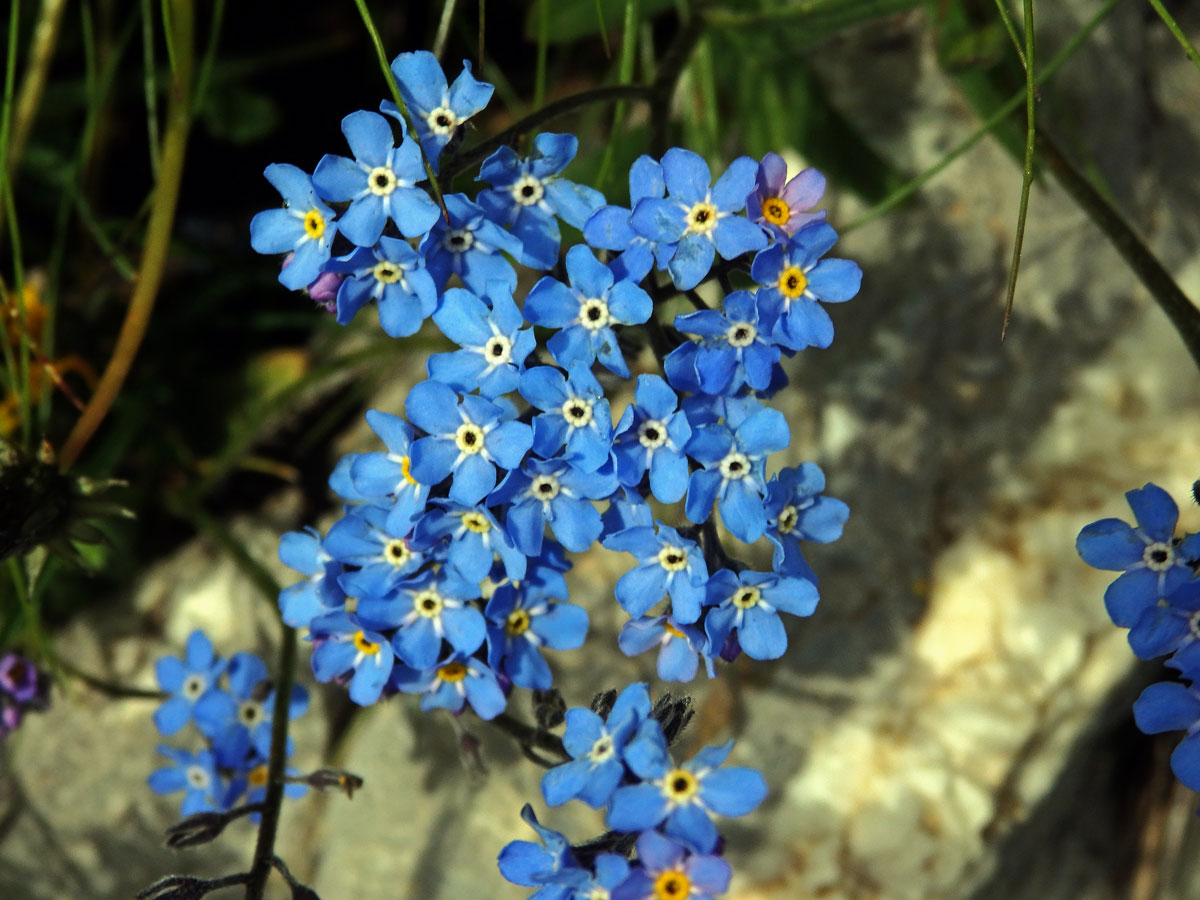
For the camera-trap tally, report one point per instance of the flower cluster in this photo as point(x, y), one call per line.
point(444, 577)
point(234, 720)
point(22, 689)
point(620, 761)
point(1157, 597)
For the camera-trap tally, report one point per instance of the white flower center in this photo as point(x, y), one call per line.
point(545, 487)
point(746, 597)
point(497, 351)
point(602, 750)
point(735, 465)
point(652, 434)
point(701, 218)
point(593, 314)
point(396, 552)
point(741, 334)
point(1158, 556)
point(469, 438)
point(250, 713)
point(577, 412)
point(527, 190)
point(382, 181)
point(194, 686)
point(428, 603)
point(198, 778)
point(458, 240)
point(673, 559)
point(788, 516)
point(442, 120)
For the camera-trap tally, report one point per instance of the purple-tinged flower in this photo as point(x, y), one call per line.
point(609, 228)
point(1154, 562)
point(669, 869)
point(798, 511)
point(380, 182)
point(681, 798)
point(187, 680)
point(452, 684)
point(527, 195)
point(345, 644)
point(783, 209)
point(596, 746)
point(679, 646)
point(574, 412)
point(437, 110)
point(19, 677)
point(392, 274)
point(303, 227)
point(796, 281)
point(700, 219)
point(667, 564)
point(749, 604)
point(494, 344)
point(521, 621)
point(586, 312)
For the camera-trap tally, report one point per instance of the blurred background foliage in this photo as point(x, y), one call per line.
point(238, 385)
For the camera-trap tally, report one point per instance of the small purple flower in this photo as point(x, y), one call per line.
point(19, 677)
point(669, 869)
point(783, 209)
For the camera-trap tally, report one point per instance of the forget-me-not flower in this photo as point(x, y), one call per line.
point(437, 110)
point(304, 227)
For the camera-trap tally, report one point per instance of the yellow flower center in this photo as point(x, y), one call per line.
point(701, 218)
point(680, 785)
point(454, 671)
point(405, 466)
point(672, 885)
point(517, 622)
point(775, 211)
point(387, 272)
point(673, 631)
point(396, 552)
point(672, 558)
point(314, 224)
point(476, 522)
point(792, 282)
point(257, 776)
point(370, 648)
point(747, 598)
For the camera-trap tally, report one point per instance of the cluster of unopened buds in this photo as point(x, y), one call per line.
point(445, 575)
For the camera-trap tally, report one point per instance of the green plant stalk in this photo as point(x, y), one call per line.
point(381, 55)
point(1027, 174)
point(24, 386)
point(1173, 27)
point(543, 46)
point(603, 28)
point(841, 13)
point(629, 35)
point(150, 83)
point(1011, 29)
point(210, 56)
point(902, 193)
point(15, 383)
point(1162, 287)
point(41, 51)
point(443, 29)
point(154, 251)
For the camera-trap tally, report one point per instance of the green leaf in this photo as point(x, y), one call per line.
point(237, 115)
point(572, 21)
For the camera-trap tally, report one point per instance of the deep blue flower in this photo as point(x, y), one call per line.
point(239, 721)
point(608, 228)
point(425, 611)
point(552, 491)
point(669, 869)
point(700, 219)
point(494, 344)
point(437, 110)
point(596, 746)
point(796, 281)
point(304, 226)
point(734, 476)
point(667, 564)
point(574, 412)
point(527, 195)
point(195, 773)
point(187, 680)
point(1172, 625)
point(452, 684)
point(317, 594)
point(467, 439)
point(586, 312)
point(681, 797)
point(345, 645)
point(1170, 706)
point(749, 604)
point(679, 646)
point(626, 509)
point(469, 246)
point(650, 437)
point(1154, 563)
point(522, 620)
point(798, 511)
point(532, 865)
point(736, 346)
point(366, 538)
point(388, 475)
point(379, 182)
point(392, 274)
point(474, 539)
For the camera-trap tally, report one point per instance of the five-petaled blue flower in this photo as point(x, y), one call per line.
point(392, 274)
point(187, 680)
point(796, 511)
point(494, 344)
point(650, 437)
point(345, 644)
point(197, 775)
point(574, 412)
point(304, 226)
point(749, 603)
point(468, 245)
point(522, 620)
point(736, 348)
point(608, 228)
point(553, 492)
point(667, 564)
point(437, 110)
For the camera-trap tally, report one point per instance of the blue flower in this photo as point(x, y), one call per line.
point(596, 747)
point(1154, 563)
point(1172, 625)
point(389, 475)
point(195, 773)
point(668, 869)
point(734, 462)
point(608, 228)
point(304, 226)
point(344, 645)
point(749, 604)
point(425, 611)
point(796, 281)
point(798, 511)
point(552, 491)
point(667, 564)
point(379, 182)
point(187, 681)
point(736, 348)
point(701, 220)
point(587, 311)
point(392, 274)
point(452, 684)
point(469, 246)
point(466, 440)
point(494, 345)
point(437, 110)
point(682, 798)
point(532, 865)
point(255, 785)
point(1170, 706)
point(319, 593)
point(366, 537)
point(574, 411)
point(475, 540)
point(650, 437)
point(527, 194)
point(522, 620)
point(679, 646)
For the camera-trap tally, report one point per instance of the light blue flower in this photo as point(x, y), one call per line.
point(392, 274)
point(187, 680)
point(469, 245)
point(437, 110)
point(494, 344)
point(304, 227)
point(748, 604)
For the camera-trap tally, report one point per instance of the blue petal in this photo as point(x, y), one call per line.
point(1166, 706)
point(692, 261)
point(835, 280)
point(420, 76)
point(369, 137)
point(1156, 512)
point(688, 177)
point(635, 808)
point(735, 184)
